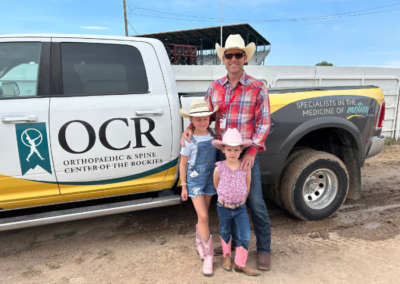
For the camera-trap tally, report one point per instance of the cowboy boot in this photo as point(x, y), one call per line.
point(226, 253)
point(218, 250)
point(208, 269)
point(199, 245)
point(240, 262)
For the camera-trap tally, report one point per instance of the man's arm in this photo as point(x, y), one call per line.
point(262, 122)
point(262, 126)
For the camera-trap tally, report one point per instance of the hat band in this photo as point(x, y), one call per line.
point(199, 111)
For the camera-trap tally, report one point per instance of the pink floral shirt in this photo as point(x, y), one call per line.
point(232, 186)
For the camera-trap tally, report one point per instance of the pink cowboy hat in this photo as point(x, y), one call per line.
point(232, 137)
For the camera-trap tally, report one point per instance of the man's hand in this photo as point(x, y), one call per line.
point(186, 135)
point(184, 194)
point(247, 162)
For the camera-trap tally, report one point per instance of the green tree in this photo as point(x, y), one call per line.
point(324, 63)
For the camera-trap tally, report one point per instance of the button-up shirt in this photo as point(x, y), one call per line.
point(249, 111)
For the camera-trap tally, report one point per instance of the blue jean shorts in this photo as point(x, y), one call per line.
point(198, 189)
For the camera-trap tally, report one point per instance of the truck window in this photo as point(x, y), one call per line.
point(95, 69)
point(19, 65)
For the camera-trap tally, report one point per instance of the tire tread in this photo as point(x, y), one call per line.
point(276, 187)
point(293, 172)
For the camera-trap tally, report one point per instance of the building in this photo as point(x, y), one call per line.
point(197, 46)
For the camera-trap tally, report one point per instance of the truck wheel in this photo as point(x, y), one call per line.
point(314, 186)
point(275, 188)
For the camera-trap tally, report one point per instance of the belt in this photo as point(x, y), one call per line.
point(231, 206)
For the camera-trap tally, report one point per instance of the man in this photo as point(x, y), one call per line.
point(243, 104)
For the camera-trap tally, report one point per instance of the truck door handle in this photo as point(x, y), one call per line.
point(149, 111)
point(28, 118)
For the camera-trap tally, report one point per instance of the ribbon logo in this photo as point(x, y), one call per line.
point(33, 147)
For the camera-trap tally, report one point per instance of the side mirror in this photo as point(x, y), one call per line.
point(10, 89)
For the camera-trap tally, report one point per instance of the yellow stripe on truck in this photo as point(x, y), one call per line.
point(277, 101)
point(13, 188)
point(129, 187)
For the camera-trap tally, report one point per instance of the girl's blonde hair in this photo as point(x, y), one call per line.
point(212, 132)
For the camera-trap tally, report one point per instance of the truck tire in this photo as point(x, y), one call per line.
point(275, 188)
point(315, 185)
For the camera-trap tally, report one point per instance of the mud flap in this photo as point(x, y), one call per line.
point(349, 157)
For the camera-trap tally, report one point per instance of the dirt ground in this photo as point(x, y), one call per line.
point(359, 244)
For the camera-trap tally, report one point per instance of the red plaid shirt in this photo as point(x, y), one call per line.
point(249, 111)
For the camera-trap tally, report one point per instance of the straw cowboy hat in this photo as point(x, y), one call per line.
point(233, 138)
point(236, 42)
point(197, 108)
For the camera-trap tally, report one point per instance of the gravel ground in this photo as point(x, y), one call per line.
point(359, 244)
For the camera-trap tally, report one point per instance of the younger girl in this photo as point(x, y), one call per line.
point(233, 186)
point(196, 172)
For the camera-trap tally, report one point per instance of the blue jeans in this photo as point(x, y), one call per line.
point(259, 213)
point(238, 216)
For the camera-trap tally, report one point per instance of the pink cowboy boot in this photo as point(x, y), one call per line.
point(226, 254)
point(240, 262)
point(199, 245)
point(208, 269)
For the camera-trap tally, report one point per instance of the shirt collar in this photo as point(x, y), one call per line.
point(243, 79)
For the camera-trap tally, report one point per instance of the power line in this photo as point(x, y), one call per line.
point(326, 17)
point(149, 16)
point(132, 27)
point(396, 4)
point(129, 14)
point(271, 21)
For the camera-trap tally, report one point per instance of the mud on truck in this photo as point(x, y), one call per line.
point(90, 127)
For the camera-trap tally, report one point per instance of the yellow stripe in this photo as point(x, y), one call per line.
point(12, 189)
point(23, 199)
point(278, 101)
point(355, 115)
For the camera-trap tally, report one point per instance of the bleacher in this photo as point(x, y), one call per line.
point(204, 41)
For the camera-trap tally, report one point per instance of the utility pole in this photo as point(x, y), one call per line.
point(221, 27)
point(126, 21)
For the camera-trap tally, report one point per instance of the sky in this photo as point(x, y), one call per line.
point(363, 40)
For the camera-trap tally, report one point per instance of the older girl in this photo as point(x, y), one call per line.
point(196, 171)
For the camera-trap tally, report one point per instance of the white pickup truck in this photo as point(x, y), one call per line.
point(90, 127)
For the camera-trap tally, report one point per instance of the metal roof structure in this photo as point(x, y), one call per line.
point(207, 37)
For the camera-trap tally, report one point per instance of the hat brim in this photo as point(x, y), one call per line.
point(249, 50)
point(218, 143)
point(182, 112)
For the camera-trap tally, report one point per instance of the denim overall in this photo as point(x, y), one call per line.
point(204, 165)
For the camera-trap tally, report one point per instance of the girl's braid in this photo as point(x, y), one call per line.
point(212, 132)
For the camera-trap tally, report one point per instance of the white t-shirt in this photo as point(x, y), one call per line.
point(190, 149)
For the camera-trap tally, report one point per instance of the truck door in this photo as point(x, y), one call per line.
point(26, 170)
point(110, 116)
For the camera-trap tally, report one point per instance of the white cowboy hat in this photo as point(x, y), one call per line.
point(197, 108)
point(236, 42)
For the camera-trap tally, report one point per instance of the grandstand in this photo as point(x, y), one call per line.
point(197, 46)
